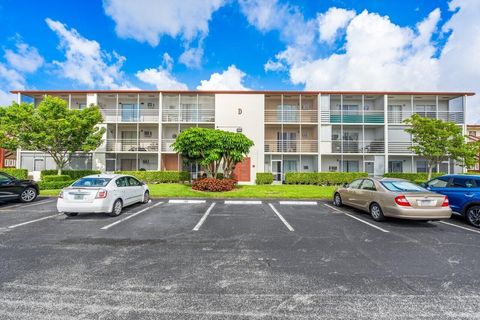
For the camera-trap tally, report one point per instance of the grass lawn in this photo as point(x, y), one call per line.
point(175, 190)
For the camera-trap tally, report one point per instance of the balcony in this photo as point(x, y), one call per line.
point(132, 145)
point(189, 116)
point(132, 115)
point(291, 146)
point(167, 145)
point(291, 116)
point(351, 146)
point(399, 147)
point(367, 116)
point(452, 116)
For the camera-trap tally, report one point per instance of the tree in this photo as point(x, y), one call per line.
point(437, 141)
point(213, 149)
point(51, 127)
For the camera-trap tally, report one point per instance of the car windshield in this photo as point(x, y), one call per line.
point(91, 182)
point(402, 186)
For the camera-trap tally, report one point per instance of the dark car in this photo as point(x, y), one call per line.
point(14, 189)
point(463, 192)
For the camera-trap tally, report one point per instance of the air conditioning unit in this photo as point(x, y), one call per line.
point(147, 134)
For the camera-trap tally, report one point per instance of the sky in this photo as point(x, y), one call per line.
point(393, 45)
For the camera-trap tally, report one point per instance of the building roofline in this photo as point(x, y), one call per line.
point(433, 93)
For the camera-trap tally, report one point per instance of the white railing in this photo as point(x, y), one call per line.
point(132, 145)
point(399, 147)
point(400, 116)
point(200, 115)
point(346, 116)
point(142, 115)
point(352, 146)
point(291, 116)
point(167, 145)
point(291, 146)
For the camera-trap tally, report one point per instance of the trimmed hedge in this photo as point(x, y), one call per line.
point(21, 174)
point(323, 178)
point(214, 185)
point(159, 176)
point(264, 178)
point(73, 174)
point(62, 177)
point(50, 185)
point(418, 178)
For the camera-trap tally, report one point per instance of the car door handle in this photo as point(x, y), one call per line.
point(469, 195)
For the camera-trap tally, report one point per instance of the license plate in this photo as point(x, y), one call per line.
point(78, 197)
point(426, 203)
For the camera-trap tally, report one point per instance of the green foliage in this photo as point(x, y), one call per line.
point(418, 178)
point(73, 174)
point(212, 148)
point(21, 174)
point(50, 185)
point(159, 176)
point(62, 177)
point(264, 178)
point(322, 178)
point(51, 127)
point(438, 140)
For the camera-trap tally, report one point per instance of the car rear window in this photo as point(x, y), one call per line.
point(402, 186)
point(91, 182)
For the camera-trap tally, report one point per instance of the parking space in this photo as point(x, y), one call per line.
point(234, 259)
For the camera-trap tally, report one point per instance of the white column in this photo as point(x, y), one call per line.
point(160, 133)
point(92, 98)
point(319, 132)
point(19, 98)
point(69, 101)
point(385, 124)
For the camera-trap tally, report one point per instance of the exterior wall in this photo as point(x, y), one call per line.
point(244, 111)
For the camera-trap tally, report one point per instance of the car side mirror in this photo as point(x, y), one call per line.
point(143, 183)
point(345, 185)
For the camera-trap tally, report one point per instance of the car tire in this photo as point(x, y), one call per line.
point(376, 212)
point(146, 197)
point(472, 215)
point(337, 200)
point(116, 209)
point(29, 194)
point(70, 214)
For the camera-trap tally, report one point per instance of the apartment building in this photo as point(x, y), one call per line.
point(307, 131)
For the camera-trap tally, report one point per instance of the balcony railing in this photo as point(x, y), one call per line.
point(400, 116)
point(367, 116)
point(167, 145)
point(142, 115)
point(291, 146)
point(351, 146)
point(291, 116)
point(200, 115)
point(132, 145)
point(399, 147)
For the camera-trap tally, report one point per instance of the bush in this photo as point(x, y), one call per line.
point(322, 178)
point(21, 174)
point(73, 174)
point(62, 177)
point(418, 178)
point(50, 185)
point(264, 178)
point(214, 185)
point(159, 176)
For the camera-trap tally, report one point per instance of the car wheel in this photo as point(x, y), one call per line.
point(70, 214)
point(376, 212)
point(117, 208)
point(146, 197)
point(473, 216)
point(28, 195)
point(337, 200)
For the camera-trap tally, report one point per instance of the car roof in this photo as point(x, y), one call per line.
point(105, 175)
point(379, 179)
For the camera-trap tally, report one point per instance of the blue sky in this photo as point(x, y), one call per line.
point(240, 44)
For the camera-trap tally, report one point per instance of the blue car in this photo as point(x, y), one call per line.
point(463, 192)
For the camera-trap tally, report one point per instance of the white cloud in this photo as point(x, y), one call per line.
point(10, 79)
point(330, 22)
point(272, 65)
point(25, 58)
point(230, 79)
point(86, 63)
point(161, 77)
point(192, 57)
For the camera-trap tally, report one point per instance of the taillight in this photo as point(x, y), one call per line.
point(402, 201)
point(101, 194)
point(60, 195)
point(445, 203)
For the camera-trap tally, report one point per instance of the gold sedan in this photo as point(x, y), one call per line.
point(388, 197)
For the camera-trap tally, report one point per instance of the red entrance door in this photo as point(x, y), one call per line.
point(242, 170)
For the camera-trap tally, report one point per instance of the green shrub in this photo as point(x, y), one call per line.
point(220, 175)
point(159, 176)
point(418, 178)
point(322, 178)
point(73, 174)
point(62, 177)
point(214, 185)
point(264, 178)
point(21, 174)
point(50, 185)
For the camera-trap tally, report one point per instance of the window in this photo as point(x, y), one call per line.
point(355, 184)
point(395, 166)
point(422, 166)
point(368, 185)
point(438, 183)
point(91, 182)
point(472, 133)
point(462, 183)
point(4, 178)
point(290, 166)
point(350, 166)
point(396, 186)
point(132, 182)
point(122, 182)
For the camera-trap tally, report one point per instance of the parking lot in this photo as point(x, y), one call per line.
point(231, 259)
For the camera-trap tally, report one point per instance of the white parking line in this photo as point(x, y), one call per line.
point(461, 227)
point(186, 201)
point(33, 221)
point(242, 202)
point(289, 227)
point(204, 217)
point(130, 216)
point(27, 205)
point(299, 203)
point(356, 218)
